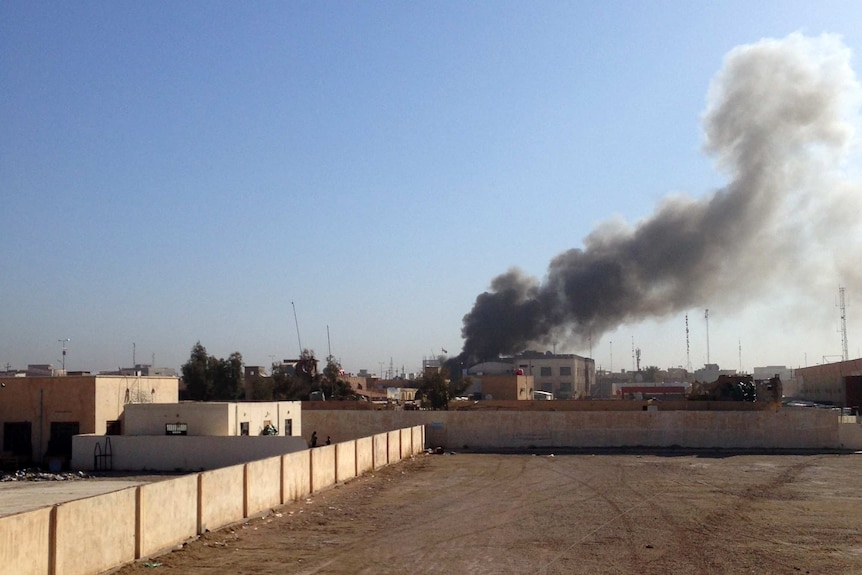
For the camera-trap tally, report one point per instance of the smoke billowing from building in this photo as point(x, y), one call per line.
point(778, 124)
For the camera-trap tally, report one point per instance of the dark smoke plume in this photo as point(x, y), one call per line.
point(775, 124)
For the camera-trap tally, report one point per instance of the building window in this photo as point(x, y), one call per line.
point(545, 371)
point(243, 428)
point(113, 427)
point(565, 371)
point(176, 429)
point(288, 427)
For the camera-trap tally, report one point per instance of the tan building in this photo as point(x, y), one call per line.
point(567, 376)
point(39, 415)
point(504, 387)
point(837, 383)
point(194, 436)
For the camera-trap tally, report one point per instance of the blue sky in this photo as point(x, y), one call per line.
point(182, 172)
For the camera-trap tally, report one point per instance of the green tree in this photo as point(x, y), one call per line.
point(332, 384)
point(295, 382)
point(651, 374)
point(208, 378)
point(262, 387)
point(435, 390)
point(227, 377)
point(196, 374)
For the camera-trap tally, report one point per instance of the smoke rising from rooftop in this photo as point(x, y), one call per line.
point(778, 123)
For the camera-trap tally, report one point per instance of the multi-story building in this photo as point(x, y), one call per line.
point(567, 376)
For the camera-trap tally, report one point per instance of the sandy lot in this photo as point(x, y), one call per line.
point(596, 514)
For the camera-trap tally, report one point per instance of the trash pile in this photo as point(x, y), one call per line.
point(39, 475)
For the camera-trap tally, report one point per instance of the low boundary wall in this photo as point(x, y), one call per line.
point(178, 453)
point(142, 521)
point(787, 428)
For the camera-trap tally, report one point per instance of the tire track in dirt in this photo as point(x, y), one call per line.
point(621, 513)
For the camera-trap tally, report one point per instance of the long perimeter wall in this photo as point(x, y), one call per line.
point(778, 429)
point(92, 535)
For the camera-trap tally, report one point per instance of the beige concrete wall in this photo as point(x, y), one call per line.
point(364, 455)
point(24, 543)
point(394, 450)
point(296, 475)
point(850, 433)
point(258, 413)
point(213, 418)
point(185, 453)
point(780, 429)
point(263, 485)
point(406, 442)
point(114, 392)
point(322, 467)
point(345, 460)
point(380, 449)
point(202, 418)
point(168, 514)
point(221, 497)
point(96, 533)
point(418, 432)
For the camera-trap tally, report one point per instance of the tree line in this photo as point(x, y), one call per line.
point(208, 378)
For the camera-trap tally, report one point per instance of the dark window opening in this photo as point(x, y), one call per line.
point(243, 428)
point(17, 439)
point(113, 427)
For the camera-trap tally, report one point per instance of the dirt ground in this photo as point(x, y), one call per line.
point(552, 514)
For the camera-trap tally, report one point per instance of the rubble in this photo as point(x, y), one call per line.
point(39, 475)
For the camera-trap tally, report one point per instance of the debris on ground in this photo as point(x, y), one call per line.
point(39, 475)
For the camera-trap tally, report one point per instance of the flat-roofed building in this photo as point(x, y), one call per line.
point(40, 415)
point(567, 376)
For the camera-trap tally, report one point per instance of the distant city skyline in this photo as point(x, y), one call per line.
point(174, 173)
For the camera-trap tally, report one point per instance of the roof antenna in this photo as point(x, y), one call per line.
point(297, 328)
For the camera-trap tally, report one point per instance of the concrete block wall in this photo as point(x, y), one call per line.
point(393, 440)
point(221, 497)
point(322, 467)
point(92, 535)
point(25, 542)
point(745, 429)
point(364, 455)
point(296, 477)
point(263, 485)
point(167, 513)
point(380, 450)
point(180, 453)
point(850, 432)
point(345, 461)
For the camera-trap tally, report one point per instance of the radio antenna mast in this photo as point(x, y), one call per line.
point(296, 321)
point(845, 356)
point(706, 317)
point(687, 346)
